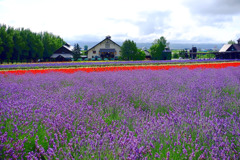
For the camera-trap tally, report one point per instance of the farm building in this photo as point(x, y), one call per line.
point(229, 51)
point(193, 53)
point(166, 54)
point(106, 49)
point(64, 53)
point(147, 53)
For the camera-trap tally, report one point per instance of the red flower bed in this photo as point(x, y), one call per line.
point(121, 68)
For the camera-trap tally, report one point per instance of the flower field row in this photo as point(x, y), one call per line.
point(137, 114)
point(120, 68)
point(102, 63)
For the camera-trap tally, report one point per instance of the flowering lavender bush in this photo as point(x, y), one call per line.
point(171, 114)
point(95, 63)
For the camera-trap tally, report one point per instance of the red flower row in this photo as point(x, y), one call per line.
point(121, 68)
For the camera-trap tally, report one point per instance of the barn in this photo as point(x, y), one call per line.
point(64, 53)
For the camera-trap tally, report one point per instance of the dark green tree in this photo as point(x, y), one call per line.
point(25, 47)
point(35, 47)
point(1, 49)
point(47, 44)
point(76, 52)
point(10, 43)
point(85, 47)
point(128, 50)
point(18, 46)
point(6, 35)
point(158, 47)
point(2, 34)
point(50, 44)
point(22, 44)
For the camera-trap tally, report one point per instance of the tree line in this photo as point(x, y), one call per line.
point(129, 50)
point(23, 45)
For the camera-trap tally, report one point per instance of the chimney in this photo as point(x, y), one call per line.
point(238, 41)
point(108, 37)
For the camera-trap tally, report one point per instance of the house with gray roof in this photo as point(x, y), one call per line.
point(64, 53)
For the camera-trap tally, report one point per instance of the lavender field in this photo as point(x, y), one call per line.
point(141, 114)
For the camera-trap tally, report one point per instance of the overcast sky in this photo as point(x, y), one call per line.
point(209, 21)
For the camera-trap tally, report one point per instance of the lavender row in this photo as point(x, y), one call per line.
point(173, 114)
point(104, 63)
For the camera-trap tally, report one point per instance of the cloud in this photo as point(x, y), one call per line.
point(215, 21)
point(119, 37)
point(137, 20)
point(147, 26)
point(153, 22)
point(214, 7)
point(86, 38)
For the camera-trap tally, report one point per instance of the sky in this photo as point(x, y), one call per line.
point(179, 21)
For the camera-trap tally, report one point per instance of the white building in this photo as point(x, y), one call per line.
point(106, 49)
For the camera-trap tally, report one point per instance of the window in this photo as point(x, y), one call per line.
point(107, 45)
point(94, 52)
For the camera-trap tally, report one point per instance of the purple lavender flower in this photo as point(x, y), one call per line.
point(157, 155)
point(120, 115)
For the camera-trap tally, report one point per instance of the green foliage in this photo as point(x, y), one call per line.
point(166, 55)
point(231, 42)
point(76, 52)
point(6, 48)
point(85, 47)
point(129, 50)
point(84, 52)
point(157, 48)
point(35, 47)
point(24, 45)
point(1, 46)
point(183, 54)
point(113, 115)
point(140, 55)
point(175, 55)
point(18, 46)
point(206, 56)
point(50, 44)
